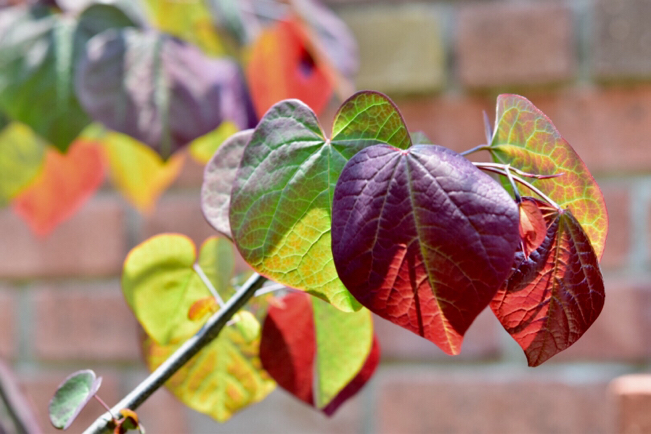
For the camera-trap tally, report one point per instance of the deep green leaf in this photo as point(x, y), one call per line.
point(71, 396)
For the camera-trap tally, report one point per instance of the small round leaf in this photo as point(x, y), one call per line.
point(71, 396)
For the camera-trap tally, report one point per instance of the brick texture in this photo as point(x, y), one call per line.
point(91, 243)
point(84, 322)
point(508, 44)
point(8, 309)
point(406, 56)
point(423, 402)
point(632, 394)
point(618, 242)
point(621, 39)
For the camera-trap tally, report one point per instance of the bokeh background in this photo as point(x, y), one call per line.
point(585, 63)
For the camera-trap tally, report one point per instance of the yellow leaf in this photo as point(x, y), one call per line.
point(138, 172)
point(203, 148)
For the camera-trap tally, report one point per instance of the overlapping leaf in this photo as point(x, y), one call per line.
point(159, 90)
point(137, 171)
point(160, 284)
point(218, 180)
point(422, 238)
point(63, 185)
point(281, 67)
point(224, 377)
point(280, 214)
point(555, 294)
point(22, 156)
point(526, 139)
point(38, 56)
point(317, 353)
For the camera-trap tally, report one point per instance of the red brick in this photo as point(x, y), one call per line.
point(608, 128)
point(622, 332)
point(632, 394)
point(163, 413)
point(479, 401)
point(191, 175)
point(85, 322)
point(91, 243)
point(508, 44)
point(40, 388)
point(454, 122)
point(8, 305)
point(481, 341)
point(621, 39)
point(618, 242)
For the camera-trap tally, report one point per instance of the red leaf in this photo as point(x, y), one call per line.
point(63, 186)
point(288, 351)
point(555, 294)
point(532, 225)
point(282, 67)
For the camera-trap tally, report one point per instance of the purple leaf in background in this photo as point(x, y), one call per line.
point(160, 90)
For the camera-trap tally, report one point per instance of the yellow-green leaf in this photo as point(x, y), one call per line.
point(22, 155)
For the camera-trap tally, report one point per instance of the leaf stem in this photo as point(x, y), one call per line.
point(475, 149)
point(208, 284)
point(503, 169)
point(182, 355)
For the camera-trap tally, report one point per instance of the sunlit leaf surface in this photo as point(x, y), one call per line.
point(526, 139)
point(280, 212)
point(22, 155)
point(422, 238)
point(64, 184)
point(555, 294)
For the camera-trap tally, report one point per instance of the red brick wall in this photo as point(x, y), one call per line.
point(587, 64)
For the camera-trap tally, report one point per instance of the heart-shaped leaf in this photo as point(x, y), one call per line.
point(526, 139)
point(71, 397)
point(65, 183)
point(39, 51)
point(160, 284)
point(422, 238)
point(158, 89)
point(317, 353)
point(138, 172)
point(281, 67)
point(555, 294)
point(224, 377)
point(22, 155)
point(281, 200)
point(218, 180)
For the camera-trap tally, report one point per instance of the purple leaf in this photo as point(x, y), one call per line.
point(422, 238)
point(158, 89)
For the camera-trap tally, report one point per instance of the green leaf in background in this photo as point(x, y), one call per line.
point(225, 376)
point(526, 139)
point(160, 284)
point(38, 56)
point(22, 155)
point(71, 396)
point(281, 199)
point(343, 343)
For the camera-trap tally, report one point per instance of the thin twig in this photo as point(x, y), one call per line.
point(475, 149)
point(518, 171)
point(502, 171)
point(208, 284)
point(182, 355)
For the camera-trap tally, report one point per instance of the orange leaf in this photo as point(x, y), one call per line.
point(532, 225)
point(282, 67)
point(202, 307)
point(63, 186)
